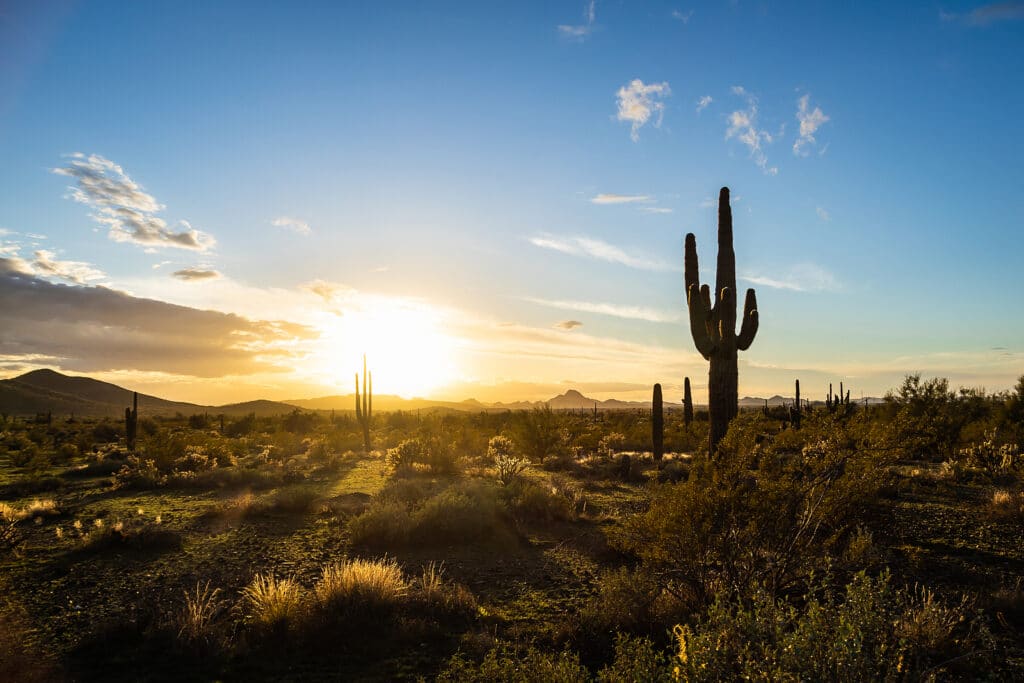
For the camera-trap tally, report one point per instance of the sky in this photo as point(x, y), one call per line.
point(224, 201)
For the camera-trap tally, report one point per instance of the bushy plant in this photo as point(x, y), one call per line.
point(272, 603)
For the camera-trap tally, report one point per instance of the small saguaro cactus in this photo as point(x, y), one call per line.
point(687, 403)
point(364, 410)
point(794, 412)
point(131, 422)
point(657, 424)
point(714, 327)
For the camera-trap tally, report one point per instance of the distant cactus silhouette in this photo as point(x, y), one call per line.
point(364, 412)
point(131, 422)
point(687, 403)
point(794, 412)
point(657, 424)
point(833, 402)
point(714, 327)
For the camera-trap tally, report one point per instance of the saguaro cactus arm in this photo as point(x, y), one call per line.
point(700, 322)
point(748, 330)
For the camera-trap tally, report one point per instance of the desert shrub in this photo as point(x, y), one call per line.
point(990, 458)
point(530, 501)
point(439, 453)
point(402, 457)
point(359, 587)
point(107, 432)
point(66, 452)
point(731, 526)
point(926, 419)
point(871, 632)
point(500, 447)
point(625, 601)
point(459, 514)
point(241, 427)
point(509, 467)
point(1006, 505)
point(271, 603)
point(437, 595)
point(507, 664)
point(10, 538)
point(134, 534)
point(139, 473)
point(383, 524)
point(537, 433)
point(636, 660)
point(610, 444)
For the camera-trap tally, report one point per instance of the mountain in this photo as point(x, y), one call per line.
point(42, 391)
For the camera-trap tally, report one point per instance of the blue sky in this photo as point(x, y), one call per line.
point(472, 175)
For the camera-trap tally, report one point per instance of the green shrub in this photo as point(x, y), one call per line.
point(383, 524)
point(506, 664)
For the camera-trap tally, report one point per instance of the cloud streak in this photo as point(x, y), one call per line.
point(293, 224)
point(121, 204)
point(743, 127)
point(580, 31)
point(804, 277)
point(614, 310)
point(619, 198)
point(597, 249)
point(810, 121)
point(985, 15)
point(638, 102)
point(77, 272)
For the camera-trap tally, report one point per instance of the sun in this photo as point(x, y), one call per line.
point(406, 347)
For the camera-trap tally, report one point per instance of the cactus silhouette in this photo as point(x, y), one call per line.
point(714, 327)
point(364, 412)
point(657, 424)
point(687, 403)
point(131, 422)
point(794, 412)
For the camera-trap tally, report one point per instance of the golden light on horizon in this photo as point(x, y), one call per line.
point(405, 345)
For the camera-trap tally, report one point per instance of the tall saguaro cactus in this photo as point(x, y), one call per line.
point(794, 412)
point(657, 424)
point(687, 403)
point(364, 410)
point(713, 327)
point(131, 422)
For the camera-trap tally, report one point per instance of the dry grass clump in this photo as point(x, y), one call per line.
point(437, 595)
point(37, 508)
point(355, 585)
point(198, 611)
point(272, 602)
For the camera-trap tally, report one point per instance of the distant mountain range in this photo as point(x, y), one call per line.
point(42, 391)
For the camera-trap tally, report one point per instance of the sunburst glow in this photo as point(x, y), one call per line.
point(407, 350)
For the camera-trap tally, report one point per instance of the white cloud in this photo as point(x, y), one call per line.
point(655, 209)
point(682, 16)
point(195, 274)
point(637, 102)
point(743, 127)
point(823, 214)
point(580, 31)
point(597, 249)
point(77, 272)
point(328, 291)
point(810, 122)
point(615, 310)
point(293, 224)
point(160, 265)
point(124, 207)
point(619, 198)
point(703, 103)
point(803, 277)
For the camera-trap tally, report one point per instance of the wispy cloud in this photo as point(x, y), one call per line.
point(823, 214)
point(293, 224)
point(195, 274)
point(615, 310)
point(124, 207)
point(579, 245)
point(330, 292)
point(568, 324)
point(46, 263)
point(803, 277)
point(682, 16)
point(619, 198)
point(987, 14)
point(638, 102)
point(703, 103)
point(580, 31)
point(810, 121)
point(743, 127)
point(655, 209)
